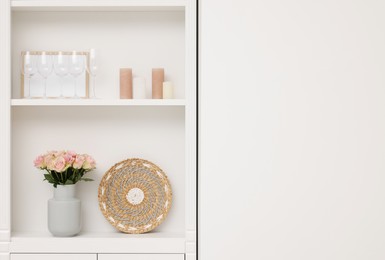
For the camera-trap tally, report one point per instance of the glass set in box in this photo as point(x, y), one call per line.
point(58, 74)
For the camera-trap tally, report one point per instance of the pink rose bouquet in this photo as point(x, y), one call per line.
point(65, 167)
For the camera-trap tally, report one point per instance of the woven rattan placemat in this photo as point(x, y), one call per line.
point(135, 196)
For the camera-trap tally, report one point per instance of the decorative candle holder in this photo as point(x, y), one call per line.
point(126, 83)
point(168, 90)
point(157, 83)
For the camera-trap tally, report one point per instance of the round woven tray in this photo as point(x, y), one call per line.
point(135, 196)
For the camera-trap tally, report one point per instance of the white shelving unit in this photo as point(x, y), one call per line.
point(141, 34)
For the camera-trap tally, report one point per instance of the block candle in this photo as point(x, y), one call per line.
point(126, 83)
point(157, 83)
point(139, 88)
point(168, 90)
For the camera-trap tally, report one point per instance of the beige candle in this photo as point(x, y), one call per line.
point(168, 90)
point(126, 83)
point(157, 83)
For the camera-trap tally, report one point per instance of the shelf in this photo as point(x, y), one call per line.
point(97, 102)
point(98, 243)
point(98, 5)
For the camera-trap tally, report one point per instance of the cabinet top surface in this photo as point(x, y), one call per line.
point(112, 242)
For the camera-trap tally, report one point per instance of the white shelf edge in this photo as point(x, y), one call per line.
point(97, 102)
point(98, 243)
point(95, 5)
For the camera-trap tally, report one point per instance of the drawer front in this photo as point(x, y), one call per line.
point(141, 257)
point(53, 257)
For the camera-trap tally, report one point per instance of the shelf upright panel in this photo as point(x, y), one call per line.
point(5, 126)
point(191, 131)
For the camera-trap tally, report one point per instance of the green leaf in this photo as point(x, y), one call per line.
point(86, 179)
point(49, 178)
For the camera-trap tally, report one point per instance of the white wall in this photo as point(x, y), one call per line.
point(292, 129)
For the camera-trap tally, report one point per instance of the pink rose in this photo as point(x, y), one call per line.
point(72, 153)
point(48, 159)
point(79, 160)
point(39, 162)
point(89, 163)
point(69, 157)
point(53, 153)
point(58, 164)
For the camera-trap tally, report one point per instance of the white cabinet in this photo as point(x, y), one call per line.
point(141, 35)
point(54, 257)
point(140, 257)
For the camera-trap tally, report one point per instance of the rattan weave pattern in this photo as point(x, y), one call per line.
point(135, 196)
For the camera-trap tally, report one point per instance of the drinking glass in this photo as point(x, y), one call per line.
point(61, 68)
point(92, 68)
point(44, 66)
point(76, 68)
point(28, 69)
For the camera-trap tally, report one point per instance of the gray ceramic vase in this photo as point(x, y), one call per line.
point(64, 217)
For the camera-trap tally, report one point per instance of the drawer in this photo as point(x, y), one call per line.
point(141, 257)
point(53, 257)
